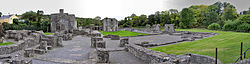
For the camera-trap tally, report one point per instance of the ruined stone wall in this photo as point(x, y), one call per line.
point(63, 22)
point(12, 48)
point(29, 39)
point(110, 24)
point(245, 61)
point(147, 55)
point(202, 59)
point(155, 57)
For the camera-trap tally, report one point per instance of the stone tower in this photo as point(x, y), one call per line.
point(63, 22)
point(110, 24)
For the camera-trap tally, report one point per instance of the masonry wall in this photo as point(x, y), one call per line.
point(147, 55)
point(245, 61)
point(30, 39)
point(155, 57)
point(202, 59)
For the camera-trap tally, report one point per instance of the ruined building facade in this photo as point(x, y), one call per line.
point(63, 22)
point(110, 24)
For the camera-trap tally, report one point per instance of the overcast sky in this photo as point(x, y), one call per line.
point(107, 8)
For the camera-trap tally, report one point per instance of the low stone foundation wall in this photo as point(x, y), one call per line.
point(147, 55)
point(79, 32)
point(201, 59)
point(245, 61)
point(155, 57)
point(12, 48)
point(27, 39)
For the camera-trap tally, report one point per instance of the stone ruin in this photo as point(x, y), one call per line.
point(112, 37)
point(123, 42)
point(148, 28)
point(155, 57)
point(94, 41)
point(169, 28)
point(156, 28)
point(31, 42)
point(63, 22)
point(110, 24)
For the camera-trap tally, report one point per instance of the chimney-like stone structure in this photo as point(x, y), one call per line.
point(63, 22)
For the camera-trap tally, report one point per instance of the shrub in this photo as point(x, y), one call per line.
point(243, 27)
point(230, 25)
point(214, 26)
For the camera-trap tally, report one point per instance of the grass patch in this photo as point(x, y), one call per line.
point(122, 33)
point(228, 44)
point(8, 43)
point(47, 33)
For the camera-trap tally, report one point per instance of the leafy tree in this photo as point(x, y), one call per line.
point(229, 13)
point(164, 18)
point(220, 6)
point(31, 16)
point(187, 17)
point(15, 21)
point(97, 21)
point(143, 20)
point(174, 17)
point(212, 16)
point(151, 19)
point(39, 15)
point(200, 11)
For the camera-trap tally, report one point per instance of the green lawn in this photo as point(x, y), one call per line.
point(8, 43)
point(47, 33)
point(228, 44)
point(122, 33)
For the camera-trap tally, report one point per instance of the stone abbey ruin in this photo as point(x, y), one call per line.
point(63, 22)
point(110, 24)
point(71, 45)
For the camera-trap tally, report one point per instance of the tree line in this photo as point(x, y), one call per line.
point(30, 21)
point(220, 15)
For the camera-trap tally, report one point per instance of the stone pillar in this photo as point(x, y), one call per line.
point(147, 27)
point(169, 28)
point(102, 55)
point(157, 27)
point(100, 44)
point(1, 33)
point(94, 40)
point(123, 42)
point(2, 40)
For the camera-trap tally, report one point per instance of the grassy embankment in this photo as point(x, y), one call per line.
point(228, 44)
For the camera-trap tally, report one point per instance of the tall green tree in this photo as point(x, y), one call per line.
point(30, 16)
point(39, 15)
point(143, 20)
point(220, 6)
point(165, 18)
point(187, 18)
point(212, 16)
point(199, 11)
point(151, 19)
point(174, 17)
point(229, 13)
